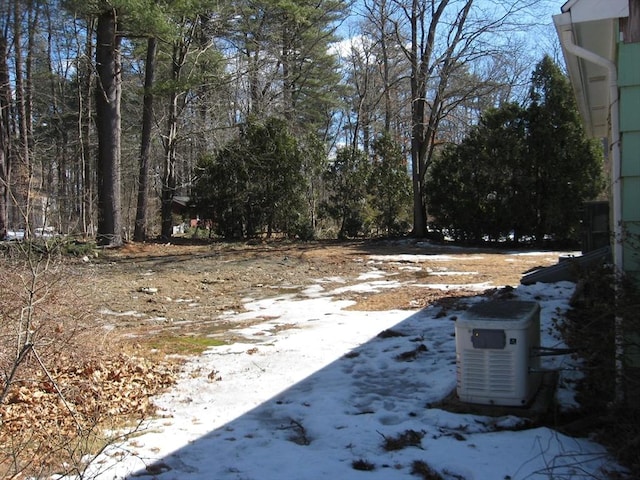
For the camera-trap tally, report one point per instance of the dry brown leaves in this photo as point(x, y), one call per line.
point(43, 421)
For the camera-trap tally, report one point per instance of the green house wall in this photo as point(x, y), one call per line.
point(629, 84)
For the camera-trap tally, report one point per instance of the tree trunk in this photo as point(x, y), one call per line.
point(22, 168)
point(423, 66)
point(169, 181)
point(140, 231)
point(5, 96)
point(60, 170)
point(418, 61)
point(287, 82)
point(253, 54)
point(84, 133)
point(386, 83)
point(108, 93)
point(39, 216)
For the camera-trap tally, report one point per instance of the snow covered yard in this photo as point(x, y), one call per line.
point(316, 391)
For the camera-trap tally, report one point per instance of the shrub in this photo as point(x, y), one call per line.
point(604, 314)
point(62, 386)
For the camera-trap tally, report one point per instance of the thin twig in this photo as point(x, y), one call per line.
point(55, 385)
point(14, 369)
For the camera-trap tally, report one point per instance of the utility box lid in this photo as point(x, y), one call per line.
point(506, 314)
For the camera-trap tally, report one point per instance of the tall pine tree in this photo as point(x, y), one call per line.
point(565, 166)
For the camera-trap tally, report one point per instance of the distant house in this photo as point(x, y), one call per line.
point(182, 206)
point(600, 41)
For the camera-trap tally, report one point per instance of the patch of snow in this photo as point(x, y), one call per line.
point(367, 287)
point(128, 313)
point(476, 287)
point(373, 274)
point(305, 403)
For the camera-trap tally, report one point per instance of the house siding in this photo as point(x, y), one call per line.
point(629, 84)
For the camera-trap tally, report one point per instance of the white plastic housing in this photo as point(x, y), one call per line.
point(494, 347)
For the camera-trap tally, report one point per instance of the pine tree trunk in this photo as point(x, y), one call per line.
point(108, 93)
point(86, 177)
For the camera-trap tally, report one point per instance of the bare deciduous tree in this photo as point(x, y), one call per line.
point(5, 148)
point(140, 231)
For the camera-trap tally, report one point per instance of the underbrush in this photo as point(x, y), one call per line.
point(603, 327)
point(64, 380)
point(59, 247)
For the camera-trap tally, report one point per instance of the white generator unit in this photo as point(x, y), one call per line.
point(495, 361)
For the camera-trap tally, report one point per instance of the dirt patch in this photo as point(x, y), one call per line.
point(185, 288)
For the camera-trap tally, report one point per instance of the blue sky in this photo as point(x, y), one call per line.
point(539, 30)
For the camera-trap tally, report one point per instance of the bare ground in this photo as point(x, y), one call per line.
point(103, 325)
point(184, 287)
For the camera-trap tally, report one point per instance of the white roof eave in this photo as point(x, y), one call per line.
point(592, 10)
point(589, 80)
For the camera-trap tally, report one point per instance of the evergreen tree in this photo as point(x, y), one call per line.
point(521, 173)
point(275, 165)
point(390, 186)
point(565, 166)
point(458, 189)
point(284, 59)
point(346, 181)
point(221, 190)
point(474, 188)
point(255, 183)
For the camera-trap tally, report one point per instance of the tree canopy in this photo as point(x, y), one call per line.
point(245, 94)
point(522, 173)
point(254, 182)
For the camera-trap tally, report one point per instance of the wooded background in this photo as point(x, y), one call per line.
point(280, 116)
